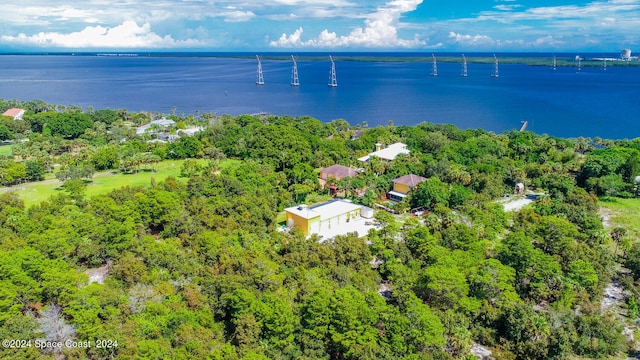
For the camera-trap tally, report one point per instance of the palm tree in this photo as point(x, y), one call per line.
point(377, 165)
point(20, 150)
point(84, 155)
point(44, 158)
point(64, 160)
point(598, 141)
point(331, 183)
point(582, 145)
point(459, 175)
point(155, 160)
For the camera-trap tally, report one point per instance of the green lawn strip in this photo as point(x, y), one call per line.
point(624, 213)
point(106, 181)
point(35, 193)
point(5, 150)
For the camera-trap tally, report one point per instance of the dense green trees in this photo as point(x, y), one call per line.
point(12, 173)
point(194, 267)
point(5, 133)
point(105, 158)
point(106, 116)
point(185, 147)
point(65, 125)
point(611, 171)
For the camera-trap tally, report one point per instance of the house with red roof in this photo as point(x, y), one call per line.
point(15, 113)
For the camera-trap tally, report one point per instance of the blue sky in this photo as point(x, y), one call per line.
point(320, 25)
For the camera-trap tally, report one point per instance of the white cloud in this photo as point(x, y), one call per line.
point(380, 30)
point(126, 35)
point(547, 41)
point(235, 15)
point(486, 42)
point(595, 25)
point(307, 3)
point(506, 7)
point(76, 14)
point(289, 41)
point(283, 17)
point(593, 10)
point(471, 40)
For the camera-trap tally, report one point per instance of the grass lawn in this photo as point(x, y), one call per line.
point(5, 150)
point(104, 182)
point(622, 212)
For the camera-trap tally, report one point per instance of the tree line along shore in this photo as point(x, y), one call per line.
point(563, 60)
point(194, 263)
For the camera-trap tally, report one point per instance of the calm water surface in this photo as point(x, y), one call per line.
point(561, 103)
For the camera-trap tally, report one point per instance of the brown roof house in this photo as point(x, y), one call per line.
point(337, 172)
point(403, 185)
point(15, 113)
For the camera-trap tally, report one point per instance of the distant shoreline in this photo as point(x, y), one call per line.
point(567, 59)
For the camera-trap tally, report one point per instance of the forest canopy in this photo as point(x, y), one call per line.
point(196, 266)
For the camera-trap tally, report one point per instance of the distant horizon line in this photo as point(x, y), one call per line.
point(231, 52)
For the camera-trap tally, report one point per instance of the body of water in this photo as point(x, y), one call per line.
point(565, 102)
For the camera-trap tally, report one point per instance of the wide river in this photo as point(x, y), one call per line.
point(565, 102)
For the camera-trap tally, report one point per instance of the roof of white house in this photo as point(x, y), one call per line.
point(190, 131)
point(15, 113)
point(389, 153)
point(161, 122)
point(325, 210)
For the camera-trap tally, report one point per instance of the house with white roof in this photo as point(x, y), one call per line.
point(160, 124)
point(325, 218)
point(160, 128)
point(191, 130)
point(387, 154)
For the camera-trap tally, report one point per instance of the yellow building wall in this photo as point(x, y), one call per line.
point(300, 222)
point(401, 188)
point(307, 225)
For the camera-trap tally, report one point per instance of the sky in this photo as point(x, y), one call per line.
point(320, 25)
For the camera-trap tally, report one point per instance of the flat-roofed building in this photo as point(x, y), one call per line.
point(155, 126)
point(389, 153)
point(322, 217)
